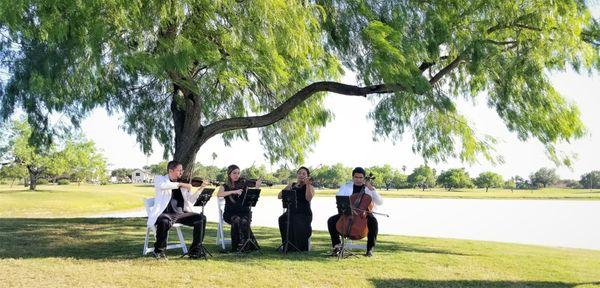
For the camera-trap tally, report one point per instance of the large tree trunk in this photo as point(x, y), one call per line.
point(32, 178)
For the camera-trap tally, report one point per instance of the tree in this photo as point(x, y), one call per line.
point(332, 176)
point(183, 72)
point(544, 177)
point(37, 161)
point(455, 178)
point(489, 179)
point(158, 168)
point(284, 175)
point(123, 174)
point(83, 160)
point(13, 172)
point(509, 184)
point(590, 180)
point(423, 177)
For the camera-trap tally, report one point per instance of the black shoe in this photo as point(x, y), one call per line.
point(369, 253)
point(336, 251)
point(196, 255)
point(160, 255)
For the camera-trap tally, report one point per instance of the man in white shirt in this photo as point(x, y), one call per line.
point(356, 186)
point(173, 204)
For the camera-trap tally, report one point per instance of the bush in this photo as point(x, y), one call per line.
point(2, 182)
point(42, 182)
point(63, 182)
point(104, 182)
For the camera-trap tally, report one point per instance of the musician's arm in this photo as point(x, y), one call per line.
point(377, 199)
point(310, 192)
point(163, 183)
point(223, 193)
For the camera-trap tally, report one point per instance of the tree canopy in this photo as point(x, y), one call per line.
point(455, 178)
point(491, 179)
point(182, 72)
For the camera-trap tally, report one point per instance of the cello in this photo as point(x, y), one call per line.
point(354, 226)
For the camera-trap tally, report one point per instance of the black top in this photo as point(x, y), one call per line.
point(302, 205)
point(357, 189)
point(233, 203)
point(176, 203)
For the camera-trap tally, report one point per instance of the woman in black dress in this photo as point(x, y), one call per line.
point(300, 212)
point(238, 216)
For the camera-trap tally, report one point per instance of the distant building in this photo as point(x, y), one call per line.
point(141, 176)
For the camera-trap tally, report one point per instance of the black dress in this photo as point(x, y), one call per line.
point(300, 220)
point(238, 216)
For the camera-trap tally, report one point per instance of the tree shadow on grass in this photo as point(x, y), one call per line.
point(123, 238)
point(408, 283)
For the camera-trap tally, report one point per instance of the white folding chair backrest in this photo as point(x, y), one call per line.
point(148, 203)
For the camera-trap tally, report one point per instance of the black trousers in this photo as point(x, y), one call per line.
point(240, 228)
point(300, 230)
point(166, 220)
point(371, 225)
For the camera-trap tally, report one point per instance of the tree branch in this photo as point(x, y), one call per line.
point(286, 107)
point(437, 77)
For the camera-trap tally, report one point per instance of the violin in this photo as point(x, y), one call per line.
point(354, 226)
point(195, 181)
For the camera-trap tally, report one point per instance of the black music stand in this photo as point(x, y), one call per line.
point(201, 201)
point(288, 200)
point(249, 199)
point(344, 208)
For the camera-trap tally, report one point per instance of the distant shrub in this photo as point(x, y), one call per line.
point(2, 182)
point(42, 182)
point(104, 182)
point(63, 182)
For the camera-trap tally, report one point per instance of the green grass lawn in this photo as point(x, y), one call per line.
point(47, 248)
point(77, 252)
point(88, 199)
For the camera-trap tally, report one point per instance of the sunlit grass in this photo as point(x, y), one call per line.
point(88, 199)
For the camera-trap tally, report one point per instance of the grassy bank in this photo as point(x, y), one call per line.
point(87, 199)
point(106, 253)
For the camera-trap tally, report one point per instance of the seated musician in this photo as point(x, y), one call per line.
point(173, 204)
point(238, 216)
point(300, 212)
point(358, 183)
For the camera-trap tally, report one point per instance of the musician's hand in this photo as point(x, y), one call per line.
point(238, 192)
point(258, 182)
point(308, 181)
point(204, 183)
point(370, 185)
point(354, 212)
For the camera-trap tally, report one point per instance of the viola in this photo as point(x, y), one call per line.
point(354, 226)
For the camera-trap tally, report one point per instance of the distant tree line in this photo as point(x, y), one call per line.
point(388, 177)
point(72, 158)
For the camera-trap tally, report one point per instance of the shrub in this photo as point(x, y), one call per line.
point(42, 182)
point(63, 182)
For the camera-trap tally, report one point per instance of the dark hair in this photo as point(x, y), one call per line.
point(230, 169)
point(359, 170)
point(305, 169)
point(172, 165)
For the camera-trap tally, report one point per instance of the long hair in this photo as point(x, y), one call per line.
point(229, 170)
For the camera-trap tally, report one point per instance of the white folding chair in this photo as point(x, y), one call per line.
point(148, 203)
point(220, 235)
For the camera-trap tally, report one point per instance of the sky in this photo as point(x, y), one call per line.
point(348, 138)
